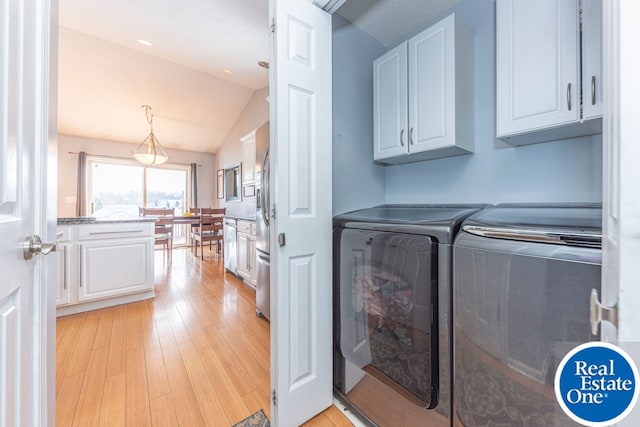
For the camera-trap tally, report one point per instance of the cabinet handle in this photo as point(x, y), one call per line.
point(411, 136)
point(80, 265)
point(593, 90)
point(96, 233)
point(569, 96)
point(401, 135)
point(64, 269)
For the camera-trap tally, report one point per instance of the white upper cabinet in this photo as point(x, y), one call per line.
point(539, 84)
point(249, 158)
point(390, 103)
point(592, 58)
point(423, 92)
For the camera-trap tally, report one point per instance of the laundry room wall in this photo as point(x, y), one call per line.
point(357, 181)
point(567, 170)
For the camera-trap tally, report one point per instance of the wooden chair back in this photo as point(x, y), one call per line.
point(163, 227)
point(210, 229)
point(164, 224)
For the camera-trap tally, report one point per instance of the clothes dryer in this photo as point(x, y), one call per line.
point(523, 277)
point(392, 306)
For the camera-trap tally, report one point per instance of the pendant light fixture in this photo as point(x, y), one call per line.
point(150, 152)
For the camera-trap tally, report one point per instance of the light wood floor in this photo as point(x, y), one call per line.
point(194, 355)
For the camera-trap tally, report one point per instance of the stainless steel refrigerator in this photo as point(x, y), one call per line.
point(262, 222)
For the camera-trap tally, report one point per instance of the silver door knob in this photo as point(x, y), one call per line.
point(33, 245)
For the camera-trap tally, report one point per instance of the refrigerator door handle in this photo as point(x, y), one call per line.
point(264, 184)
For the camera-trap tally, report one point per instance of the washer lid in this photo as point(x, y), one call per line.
point(577, 224)
point(441, 221)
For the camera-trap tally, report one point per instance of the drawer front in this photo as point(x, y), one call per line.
point(244, 227)
point(63, 234)
point(115, 231)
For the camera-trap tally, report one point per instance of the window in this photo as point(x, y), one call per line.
point(118, 187)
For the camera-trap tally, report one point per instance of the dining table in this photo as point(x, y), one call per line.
point(192, 219)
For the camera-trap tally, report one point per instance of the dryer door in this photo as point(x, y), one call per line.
point(386, 312)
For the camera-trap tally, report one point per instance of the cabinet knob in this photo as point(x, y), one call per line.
point(569, 96)
point(411, 136)
point(593, 90)
point(401, 135)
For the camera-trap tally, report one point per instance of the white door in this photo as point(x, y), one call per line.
point(27, 287)
point(301, 276)
point(621, 277)
point(537, 64)
point(390, 137)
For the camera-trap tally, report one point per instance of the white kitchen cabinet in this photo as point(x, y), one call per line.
point(541, 94)
point(253, 271)
point(63, 252)
point(104, 264)
point(98, 277)
point(421, 96)
point(249, 158)
point(243, 255)
point(246, 244)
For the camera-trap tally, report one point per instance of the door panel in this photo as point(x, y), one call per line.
point(301, 178)
point(621, 215)
point(27, 288)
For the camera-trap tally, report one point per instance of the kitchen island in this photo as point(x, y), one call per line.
point(103, 262)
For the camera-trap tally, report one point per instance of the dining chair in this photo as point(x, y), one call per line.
point(163, 228)
point(209, 230)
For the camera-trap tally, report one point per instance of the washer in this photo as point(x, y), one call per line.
point(392, 305)
point(523, 277)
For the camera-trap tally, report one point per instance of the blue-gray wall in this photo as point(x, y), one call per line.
point(568, 170)
point(357, 181)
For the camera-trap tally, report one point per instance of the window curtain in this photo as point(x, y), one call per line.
point(194, 185)
point(81, 195)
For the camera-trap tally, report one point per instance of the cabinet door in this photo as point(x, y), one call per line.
point(64, 274)
point(390, 104)
point(538, 83)
point(432, 86)
point(243, 255)
point(252, 261)
point(114, 267)
point(592, 58)
point(249, 158)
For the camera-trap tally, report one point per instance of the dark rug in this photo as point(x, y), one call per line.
point(259, 419)
point(404, 360)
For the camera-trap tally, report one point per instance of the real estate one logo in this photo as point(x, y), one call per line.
point(596, 384)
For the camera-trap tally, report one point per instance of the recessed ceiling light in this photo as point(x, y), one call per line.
point(144, 42)
point(227, 71)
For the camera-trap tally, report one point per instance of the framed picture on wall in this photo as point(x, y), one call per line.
point(249, 190)
point(220, 184)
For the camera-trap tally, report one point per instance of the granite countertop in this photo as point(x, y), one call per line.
point(94, 220)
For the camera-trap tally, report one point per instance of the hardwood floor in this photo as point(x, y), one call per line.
point(194, 355)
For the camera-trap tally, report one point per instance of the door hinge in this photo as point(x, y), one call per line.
point(599, 313)
point(272, 27)
point(274, 397)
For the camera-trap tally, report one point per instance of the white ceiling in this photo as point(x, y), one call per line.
point(388, 21)
point(105, 75)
